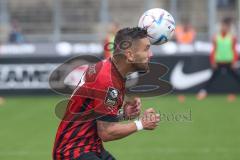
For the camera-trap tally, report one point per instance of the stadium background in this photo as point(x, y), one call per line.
point(51, 31)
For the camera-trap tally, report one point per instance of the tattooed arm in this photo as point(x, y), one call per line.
point(109, 131)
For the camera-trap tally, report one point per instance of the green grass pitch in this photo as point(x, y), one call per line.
point(28, 126)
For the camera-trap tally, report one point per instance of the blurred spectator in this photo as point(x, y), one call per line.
point(185, 33)
point(223, 56)
point(2, 100)
point(15, 35)
point(109, 40)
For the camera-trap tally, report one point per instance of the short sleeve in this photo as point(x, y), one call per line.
point(106, 98)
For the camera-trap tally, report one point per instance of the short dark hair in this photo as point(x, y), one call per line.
point(126, 36)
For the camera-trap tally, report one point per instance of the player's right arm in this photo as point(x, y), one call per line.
point(212, 54)
point(109, 131)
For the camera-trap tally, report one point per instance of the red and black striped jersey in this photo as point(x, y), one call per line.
point(99, 96)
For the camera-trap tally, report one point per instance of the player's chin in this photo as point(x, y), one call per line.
point(142, 67)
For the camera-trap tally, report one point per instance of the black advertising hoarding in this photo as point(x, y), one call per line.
point(187, 73)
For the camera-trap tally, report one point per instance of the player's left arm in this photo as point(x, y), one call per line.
point(234, 48)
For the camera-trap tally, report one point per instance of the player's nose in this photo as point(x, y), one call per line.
point(150, 54)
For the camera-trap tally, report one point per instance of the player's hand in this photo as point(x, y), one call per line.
point(149, 110)
point(150, 119)
point(132, 109)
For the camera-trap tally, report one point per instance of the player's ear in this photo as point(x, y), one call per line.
point(129, 55)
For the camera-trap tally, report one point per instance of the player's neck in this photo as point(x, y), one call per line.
point(123, 67)
point(224, 33)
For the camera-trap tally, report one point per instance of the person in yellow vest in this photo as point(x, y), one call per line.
point(223, 56)
point(109, 40)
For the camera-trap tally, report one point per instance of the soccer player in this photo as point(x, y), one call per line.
point(223, 56)
point(92, 116)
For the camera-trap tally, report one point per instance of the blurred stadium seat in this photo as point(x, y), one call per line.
point(86, 19)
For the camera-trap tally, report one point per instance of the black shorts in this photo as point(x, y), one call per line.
point(105, 155)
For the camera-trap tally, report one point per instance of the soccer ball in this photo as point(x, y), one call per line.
point(160, 25)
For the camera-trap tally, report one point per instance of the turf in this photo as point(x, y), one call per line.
point(28, 126)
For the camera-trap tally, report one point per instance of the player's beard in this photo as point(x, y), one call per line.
point(141, 67)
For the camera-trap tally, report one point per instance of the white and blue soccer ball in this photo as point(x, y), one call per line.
point(160, 25)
